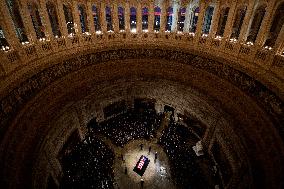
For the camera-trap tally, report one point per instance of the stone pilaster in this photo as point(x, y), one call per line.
point(230, 20)
point(266, 23)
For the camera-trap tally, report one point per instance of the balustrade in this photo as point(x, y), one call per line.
point(28, 51)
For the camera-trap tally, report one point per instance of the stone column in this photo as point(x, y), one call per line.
point(27, 20)
point(61, 18)
point(279, 43)
point(230, 20)
point(127, 17)
point(247, 19)
point(102, 18)
point(90, 17)
point(202, 6)
point(176, 8)
point(163, 18)
point(114, 16)
point(8, 27)
point(151, 16)
point(76, 18)
point(187, 18)
point(266, 23)
point(215, 19)
point(45, 20)
point(139, 17)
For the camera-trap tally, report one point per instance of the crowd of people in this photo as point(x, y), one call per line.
point(184, 168)
point(129, 126)
point(89, 165)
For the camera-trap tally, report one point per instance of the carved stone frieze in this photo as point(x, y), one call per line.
point(13, 102)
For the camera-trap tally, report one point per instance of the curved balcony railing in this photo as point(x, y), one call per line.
point(188, 25)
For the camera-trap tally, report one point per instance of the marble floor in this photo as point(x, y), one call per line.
point(157, 174)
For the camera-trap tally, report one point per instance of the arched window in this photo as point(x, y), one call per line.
point(133, 19)
point(83, 18)
point(169, 19)
point(69, 19)
point(276, 26)
point(194, 19)
point(157, 18)
point(256, 23)
point(3, 42)
point(108, 19)
point(52, 14)
point(239, 19)
point(38, 27)
point(222, 21)
point(121, 20)
point(96, 17)
point(181, 18)
point(207, 20)
point(17, 20)
point(145, 19)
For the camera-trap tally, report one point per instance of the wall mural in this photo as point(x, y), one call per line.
point(12, 103)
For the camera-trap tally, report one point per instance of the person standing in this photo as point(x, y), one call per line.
point(125, 170)
point(142, 183)
point(141, 146)
point(156, 156)
point(150, 149)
